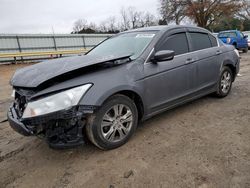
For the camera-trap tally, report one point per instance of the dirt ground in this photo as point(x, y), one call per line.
point(202, 144)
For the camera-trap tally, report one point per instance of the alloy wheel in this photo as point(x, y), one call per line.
point(226, 81)
point(116, 123)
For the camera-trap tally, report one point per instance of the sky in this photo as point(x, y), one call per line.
point(44, 16)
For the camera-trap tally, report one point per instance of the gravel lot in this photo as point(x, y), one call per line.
point(202, 144)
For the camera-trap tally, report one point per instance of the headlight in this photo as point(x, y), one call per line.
point(56, 102)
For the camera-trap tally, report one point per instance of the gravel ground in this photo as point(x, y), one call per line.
point(204, 144)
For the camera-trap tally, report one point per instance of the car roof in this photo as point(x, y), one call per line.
point(166, 28)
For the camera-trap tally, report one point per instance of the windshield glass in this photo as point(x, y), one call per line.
point(127, 43)
point(227, 35)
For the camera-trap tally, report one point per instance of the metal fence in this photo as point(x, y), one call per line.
point(26, 46)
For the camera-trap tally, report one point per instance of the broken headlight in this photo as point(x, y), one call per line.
point(56, 102)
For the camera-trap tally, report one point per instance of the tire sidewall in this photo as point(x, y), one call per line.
point(96, 125)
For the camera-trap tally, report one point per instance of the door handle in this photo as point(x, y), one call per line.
point(189, 61)
point(218, 52)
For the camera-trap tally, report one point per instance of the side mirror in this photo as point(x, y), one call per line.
point(164, 55)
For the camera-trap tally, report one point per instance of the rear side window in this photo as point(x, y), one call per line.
point(213, 40)
point(177, 42)
point(200, 41)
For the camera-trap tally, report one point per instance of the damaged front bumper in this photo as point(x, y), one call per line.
point(62, 129)
point(17, 125)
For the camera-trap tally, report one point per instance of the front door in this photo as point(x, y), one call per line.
point(168, 81)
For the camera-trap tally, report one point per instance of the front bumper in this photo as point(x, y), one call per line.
point(61, 129)
point(16, 124)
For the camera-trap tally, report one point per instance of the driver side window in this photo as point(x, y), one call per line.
point(177, 43)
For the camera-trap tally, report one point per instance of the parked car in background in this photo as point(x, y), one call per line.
point(126, 79)
point(248, 38)
point(235, 38)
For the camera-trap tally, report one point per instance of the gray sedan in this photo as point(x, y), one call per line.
point(127, 78)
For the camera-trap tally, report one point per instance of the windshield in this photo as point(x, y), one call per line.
point(127, 43)
point(227, 35)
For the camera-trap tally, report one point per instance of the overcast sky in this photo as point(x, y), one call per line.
point(40, 16)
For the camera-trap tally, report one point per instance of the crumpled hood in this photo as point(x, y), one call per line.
point(33, 76)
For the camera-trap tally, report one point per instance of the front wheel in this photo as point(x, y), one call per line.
point(114, 123)
point(224, 84)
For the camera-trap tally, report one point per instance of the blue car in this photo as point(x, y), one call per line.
point(235, 38)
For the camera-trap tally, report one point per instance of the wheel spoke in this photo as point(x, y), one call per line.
point(121, 106)
point(121, 134)
point(116, 110)
point(125, 129)
point(128, 119)
point(107, 117)
point(109, 134)
point(112, 136)
point(106, 124)
point(127, 115)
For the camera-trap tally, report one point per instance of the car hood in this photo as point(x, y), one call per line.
point(33, 76)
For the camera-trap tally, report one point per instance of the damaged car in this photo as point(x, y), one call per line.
point(126, 79)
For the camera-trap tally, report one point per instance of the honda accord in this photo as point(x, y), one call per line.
point(128, 78)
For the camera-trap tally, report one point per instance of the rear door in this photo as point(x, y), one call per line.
point(205, 49)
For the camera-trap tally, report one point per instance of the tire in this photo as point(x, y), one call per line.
point(225, 81)
point(245, 50)
point(107, 128)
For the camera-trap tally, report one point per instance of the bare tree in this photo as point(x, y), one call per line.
point(133, 15)
point(245, 12)
point(173, 10)
point(149, 20)
point(103, 26)
point(124, 20)
point(79, 25)
point(111, 24)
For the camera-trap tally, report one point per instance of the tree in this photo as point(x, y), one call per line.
point(124, 20)
point(79, 25)
point(204, 13)
point(207, 12)
point(172, 10)
point(149, 20)
point(245, 12)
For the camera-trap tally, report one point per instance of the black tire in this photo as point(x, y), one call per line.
point(220, 91)
point(245, 50)
point(94, 127)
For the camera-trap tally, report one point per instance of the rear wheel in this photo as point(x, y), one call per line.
point(114, 123)
point(224, 84)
